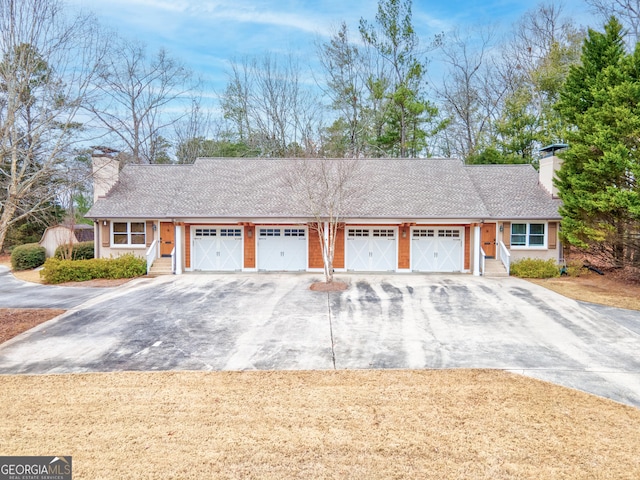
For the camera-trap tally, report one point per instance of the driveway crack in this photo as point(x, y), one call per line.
point(333, 350)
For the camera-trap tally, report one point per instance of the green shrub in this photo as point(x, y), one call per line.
point(534, 268)
point(125, 266)
point(25, 257)
point(79, 251)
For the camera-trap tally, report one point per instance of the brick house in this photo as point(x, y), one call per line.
point(236, 214)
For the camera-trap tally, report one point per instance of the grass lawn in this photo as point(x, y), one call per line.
point(467, 424)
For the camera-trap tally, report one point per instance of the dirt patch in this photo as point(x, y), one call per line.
point(14, 321)
point(329, 287)
point(339, 424)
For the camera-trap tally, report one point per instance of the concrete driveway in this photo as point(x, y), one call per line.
point(273, 321)
point(17, 294)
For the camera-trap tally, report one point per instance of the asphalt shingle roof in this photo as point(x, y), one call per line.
point(392, 188)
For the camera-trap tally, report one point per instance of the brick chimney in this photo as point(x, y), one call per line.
point(106, 172)
point(548, 166)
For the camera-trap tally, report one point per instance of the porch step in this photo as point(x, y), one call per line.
point(494, 268)
point(161, 266)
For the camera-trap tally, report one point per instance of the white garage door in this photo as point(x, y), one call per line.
point(371, 249)
point(282, 249)
point(217, 248)
point(436, 249)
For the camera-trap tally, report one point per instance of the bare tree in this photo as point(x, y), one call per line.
point(536, 62)
point(327, 190)
point(269, 107)
point(137, 91)
point(47, 65)
point(627, 12)
point(469, 93)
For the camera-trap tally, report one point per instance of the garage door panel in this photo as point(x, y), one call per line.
point(383, 254)
point(204, 253)
point(449, 255)
point(358, 252)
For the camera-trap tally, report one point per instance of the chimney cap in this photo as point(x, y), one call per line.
point(553, 148)
point(103, 151)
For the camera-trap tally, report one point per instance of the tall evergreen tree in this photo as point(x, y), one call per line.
point(600, 103)
point(408, 117)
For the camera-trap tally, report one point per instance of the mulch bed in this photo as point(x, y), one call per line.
point(14, 321)
point(329, 287)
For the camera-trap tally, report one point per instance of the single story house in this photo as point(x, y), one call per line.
point(415, 215)
point(57, 235)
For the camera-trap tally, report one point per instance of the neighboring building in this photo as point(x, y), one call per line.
point(236, 214)
point(58, 235)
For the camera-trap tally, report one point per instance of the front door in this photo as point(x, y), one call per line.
point(167, 238)
point(488, 239)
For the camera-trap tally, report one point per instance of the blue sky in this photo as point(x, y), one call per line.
point(207, 34)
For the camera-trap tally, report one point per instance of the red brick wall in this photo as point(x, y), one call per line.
point(467, 247)
point(404, 247)
point(338, 256)
point(249, 247)
point(315, 250)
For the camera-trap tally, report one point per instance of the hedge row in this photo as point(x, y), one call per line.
point(79, 251)
point(535, 268)
point(125, 266)
point(27, 256)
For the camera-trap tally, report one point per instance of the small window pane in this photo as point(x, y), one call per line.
point(536, 240)
point(537, 228)
point(137, 227)
point(120, 227)
point(137, 239)
point(518, 228)
point(519, 240)
point(119, 239)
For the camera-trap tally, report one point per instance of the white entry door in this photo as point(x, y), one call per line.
point(282, 249)
point(217, 248)
point(436, 249)
point(371, 249)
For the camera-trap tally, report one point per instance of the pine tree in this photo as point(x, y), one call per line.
point(600, 103)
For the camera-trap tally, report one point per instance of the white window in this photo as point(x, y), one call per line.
point(449, 233)
point(205, 232)
point(269, 232)
point(129, 234)
point(358, 232)
point(294, 232)
point(383, 232)
point(528, 235)
point(230, 232)
point(423, 233)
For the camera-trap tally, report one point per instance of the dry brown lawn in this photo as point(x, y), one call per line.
point(594, 288)
point(467, 424)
